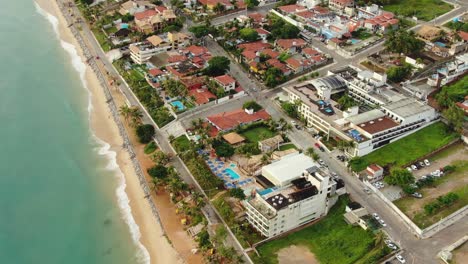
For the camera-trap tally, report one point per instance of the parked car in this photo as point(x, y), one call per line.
point(317, 145)
point(400, 258)
point(413, 167)
point(376, 216)
point(382, 222)
point(417, 195)
point(427, 162)
point(293, 122)
point(409, 169)
point(322, 149)
point(387, 241)
point(421, 164)
point(367, 190)
point(392, 246)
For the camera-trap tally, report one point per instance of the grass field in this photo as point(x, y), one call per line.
point(287, 146)
point(409, 148)
point(181, 144)
point(258, 133)
point(102, 39)
point(423, 220)
point(331, 240)
point(423, 9)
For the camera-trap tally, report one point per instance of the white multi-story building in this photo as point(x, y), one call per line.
point(450, 71)
point(300, 192)
point(383, 116)
point(141, 52)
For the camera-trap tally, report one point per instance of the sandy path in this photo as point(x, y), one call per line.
point(296, 255)
point(152, 235)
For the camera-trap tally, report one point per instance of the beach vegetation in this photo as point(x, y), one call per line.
point(159, 157)
point(145, 133)
point(150, 147)
point(158, 171)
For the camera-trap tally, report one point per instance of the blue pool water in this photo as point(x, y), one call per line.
point(440, 44)
point(232, 174)
point(266, 191)
point(178, 105)
point(354, 41)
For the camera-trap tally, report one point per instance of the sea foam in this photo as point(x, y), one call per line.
point(104, 148)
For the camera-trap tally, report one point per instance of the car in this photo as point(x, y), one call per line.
point(387, 241)
point(317, 145)
point(392, 246)
point(413, 167)
point(436, 173)
point(416, 195)
point(367, 190)
point(293, 122)
point(382, 222)
point(426, 161)
point(322, 149)
point(400, 258)
point(421, 164)
point(409, 169)
point(376, 216)
point(321, 162)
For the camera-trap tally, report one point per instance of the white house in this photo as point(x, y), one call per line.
point(226, 82)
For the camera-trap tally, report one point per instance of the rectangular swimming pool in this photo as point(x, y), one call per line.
point(232, 174)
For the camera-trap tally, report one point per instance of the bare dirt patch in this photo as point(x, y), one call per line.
point(460, 255)
point(296, 255)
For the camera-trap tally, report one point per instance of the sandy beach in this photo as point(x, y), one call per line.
point(152, 233)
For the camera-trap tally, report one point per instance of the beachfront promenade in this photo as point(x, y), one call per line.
point(91, 49)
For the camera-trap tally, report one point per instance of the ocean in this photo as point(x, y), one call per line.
point(62, 196)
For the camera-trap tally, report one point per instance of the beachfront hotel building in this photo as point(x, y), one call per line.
point(383, 115)
point(296, 192)
point(142, 52)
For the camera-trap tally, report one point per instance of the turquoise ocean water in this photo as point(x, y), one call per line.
point(61, 195)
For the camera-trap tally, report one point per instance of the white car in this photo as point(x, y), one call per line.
point(427, 162)
point(392, 246)
point(382, 222)
point(387, 241)
point(436, 173)
point(413, 167)
point(417, 195)
point(293, 122)
point(376, 216)
point(409, 169)
point(400, 258)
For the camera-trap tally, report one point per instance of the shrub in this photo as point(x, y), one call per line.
point(237, 193)
point(252, 105)
point(441, 202)
point(145, 133)
point(158, 171)
point(223, 149)
point(150, 147)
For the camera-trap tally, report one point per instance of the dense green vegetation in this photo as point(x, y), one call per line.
point(453, 93)
point(291, 109)
point(281, 29)
point(218, 65)
point(399, 73)
point(222, 148)
point(402, 41)
point(181, 144)
point(408, 148)
point(423, 9)
point(150, 147)
point(248, 34)
point(457, 25)
point(252, 105)
point(200, 31)
point(331, 240)
point(440, 203)
point(145, 133)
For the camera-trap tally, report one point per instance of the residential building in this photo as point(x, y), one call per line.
point(270, 144)
point(450, 71)
point(141, 52)
point(290, 45)
point(298, 192)
point(152, 20)
point(132, 7)
point(292, 9)
point(382, 23)
point(226, 82)
point(340, 5)
point(374, 173)
point(227, 121)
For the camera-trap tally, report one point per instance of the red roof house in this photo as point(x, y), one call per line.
point(229, 120)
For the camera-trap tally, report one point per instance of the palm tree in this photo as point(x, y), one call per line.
point(125, 111)
point(135, 116)
point(310, 152)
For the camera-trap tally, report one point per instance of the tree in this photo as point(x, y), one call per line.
point(310, 152)
point(453, 93)
point(402, 41)
point(125, 111)
point(237, 193)
point(158, 171)
point(145, 133)
point(199, 31)
point(252, 105)
point(281, 29)
point(251, 3)
point(273, 76)
point(222, 148)
point(455, 117)
point(160, 157)
point(218, 8)
point(399, 177)
point(135, 116)
point(290, 109)
point(399, 73)
point(174, 88)
point(248, 34)
point(218, 65)
point(346, 102)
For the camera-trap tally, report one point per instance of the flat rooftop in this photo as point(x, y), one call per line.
point(378, 124)
point(288, 168)
point(407, 107)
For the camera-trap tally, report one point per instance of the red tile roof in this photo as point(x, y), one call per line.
point(289, 43)
point(250, 55)
point(262, 31)
point(293, 63)
point(202, 96)
point(271, 53)
point(176, 58)
point(145, 14)
point(321, 10)
point(155, 72)
point(230, 120)
point(463, 35)
point(310, 51)
point(257, 17)
point(196, 50)
point(305, 14)
point(160, 9)
point(291, 8)
point(254, 46)
point(225, 79)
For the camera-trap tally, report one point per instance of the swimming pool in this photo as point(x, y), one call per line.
point(354, 41)
point(178, 105)
point(440, 44)
point(266, 191)
point(232, 174)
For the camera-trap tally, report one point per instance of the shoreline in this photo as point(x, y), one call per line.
point(147, 233)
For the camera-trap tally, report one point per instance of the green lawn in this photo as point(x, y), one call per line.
point(102, 39)
point(150, 147)
point(423, 220)
point(287, 146)
point(258, 133)
point(408, 148)
point(331, 240)
point(423, 9)
point(181, 144)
